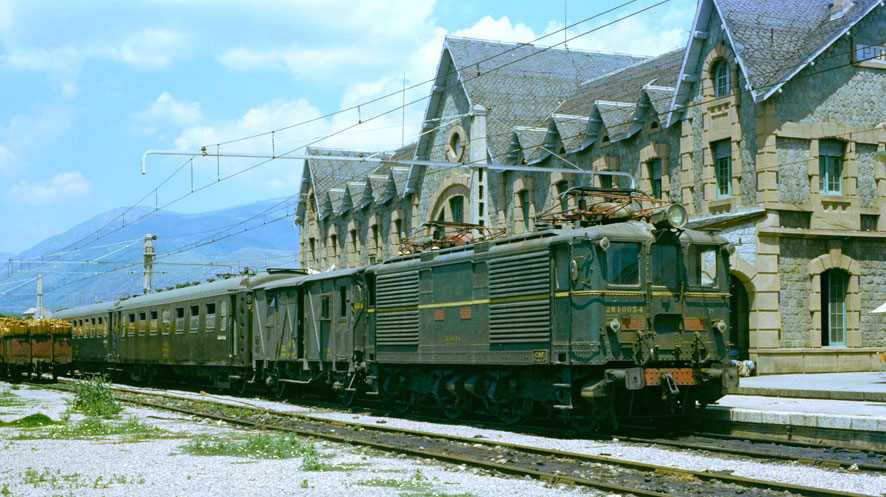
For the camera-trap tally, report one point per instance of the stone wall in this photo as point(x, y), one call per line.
point(867, 180)
point(793, 170)
point(796, 287)
point(834, 90)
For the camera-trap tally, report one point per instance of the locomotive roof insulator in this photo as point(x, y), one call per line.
point(669, 217)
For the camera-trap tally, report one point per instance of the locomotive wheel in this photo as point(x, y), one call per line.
point(238, 386)
point(404, 401)
point(585, 420)
point(280, 389)
point(346, 397)
point(453, 407)
point(513, 410)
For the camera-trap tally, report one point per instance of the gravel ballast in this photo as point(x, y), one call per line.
point(119, 465)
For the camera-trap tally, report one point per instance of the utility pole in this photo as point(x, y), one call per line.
point(39, 297)
point(149, 263)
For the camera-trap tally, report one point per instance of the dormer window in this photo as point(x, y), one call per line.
point(654, 125)
point(720, 75)
point(605, 140)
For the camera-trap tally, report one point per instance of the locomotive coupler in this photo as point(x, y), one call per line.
point(669, 386)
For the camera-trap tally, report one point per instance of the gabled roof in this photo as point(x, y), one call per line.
point(354, 176)
point(617, 118)
point(624, 85)
point(528, 143)
point(773, 40)
point(571, 129)
point(520, 84)
point(776, 38)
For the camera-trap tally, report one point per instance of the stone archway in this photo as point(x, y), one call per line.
point(835, 259)
point(742, 306)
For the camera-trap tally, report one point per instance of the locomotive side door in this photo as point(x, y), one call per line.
point(584, 299)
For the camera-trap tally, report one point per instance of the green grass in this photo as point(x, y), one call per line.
point(9, 399)
point(258, 446)
point(94, 397)
point(95, 428)
point(32, 421)
point(418, 485)
point(54, 479)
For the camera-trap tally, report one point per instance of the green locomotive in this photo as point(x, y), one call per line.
point(592, 325)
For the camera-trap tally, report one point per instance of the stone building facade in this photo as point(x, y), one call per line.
point(769, 126)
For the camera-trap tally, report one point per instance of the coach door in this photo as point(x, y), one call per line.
point(341, 321)
point(114, 337)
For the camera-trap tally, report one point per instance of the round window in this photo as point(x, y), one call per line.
point(455, 145)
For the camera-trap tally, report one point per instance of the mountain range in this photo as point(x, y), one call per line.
point(83, 265)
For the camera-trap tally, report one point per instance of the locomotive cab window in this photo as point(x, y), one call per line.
point(621, 263)
point(701, 265)
point(664, 265)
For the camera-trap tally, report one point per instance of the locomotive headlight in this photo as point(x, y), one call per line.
point(604, 244)
point(614, 324)
point(672, 216)
point(720, 326)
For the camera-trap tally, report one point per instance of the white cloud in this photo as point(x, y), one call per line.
point(167, 109)
point(488, 28)
point(5, 160)
point(151, 48)
point(147, 49)
point(59, 189)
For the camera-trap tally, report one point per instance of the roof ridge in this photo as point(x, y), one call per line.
point(651, 59)
point(550, 47)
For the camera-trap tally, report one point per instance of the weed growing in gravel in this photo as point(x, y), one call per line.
point(9, 399)
point(257, 446)
point(95, 427)
point(93, 397)
point(53, 479)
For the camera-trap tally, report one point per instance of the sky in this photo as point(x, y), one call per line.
point(86, 88)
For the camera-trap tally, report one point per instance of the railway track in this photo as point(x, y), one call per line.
point(601, 472)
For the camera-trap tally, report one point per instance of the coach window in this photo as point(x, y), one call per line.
point(195, 318)
point(167, 321)
point(223, 312)
point(179, 319)
point(621, 263)
point(324, 307)
point(702, 265)
point(154, 317)
point(142, 323)
point(343, 301)
point(210, 317)
point(92, 328)
point(130, 325)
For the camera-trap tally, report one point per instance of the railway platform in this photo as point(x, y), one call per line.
point(835, 401)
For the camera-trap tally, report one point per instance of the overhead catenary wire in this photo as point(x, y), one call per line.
point(702, 102)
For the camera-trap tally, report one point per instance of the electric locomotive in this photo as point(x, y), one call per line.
point(594, 325)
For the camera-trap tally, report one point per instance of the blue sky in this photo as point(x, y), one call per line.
point(87, 87)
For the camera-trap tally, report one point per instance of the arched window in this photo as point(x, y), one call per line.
point(720, 76)
point(457, 208)
point(833, 304)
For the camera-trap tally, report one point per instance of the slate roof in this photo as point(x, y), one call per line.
point(522, 85)
point(624, 85)
point(774, 38)
point(617, 117)
point(571, 129)
point(530, 141)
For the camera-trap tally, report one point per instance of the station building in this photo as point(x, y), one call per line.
point(769, 126)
